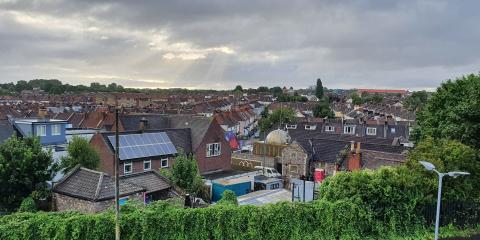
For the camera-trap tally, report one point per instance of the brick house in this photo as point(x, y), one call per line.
point(208, 145)
point(141, 150)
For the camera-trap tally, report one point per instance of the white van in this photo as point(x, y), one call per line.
point(269, 172)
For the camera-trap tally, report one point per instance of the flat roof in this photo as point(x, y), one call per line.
point(39, 120)
point(262, 197)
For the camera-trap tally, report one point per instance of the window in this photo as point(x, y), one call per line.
point(289, 126)
point(275, 186)
point(42, 130)
point(293, 169)
point(329, 129)
point(371, 131)
point(127, 167)
point(164, 163)
point(392, 130)
point(349, 129)
point(213, 149)
point(147, 165)
point(310, 127)
point(56, 129)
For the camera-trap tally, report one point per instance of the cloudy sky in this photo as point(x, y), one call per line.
point(220, 43)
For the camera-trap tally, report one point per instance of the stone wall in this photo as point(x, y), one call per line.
point(67, 203)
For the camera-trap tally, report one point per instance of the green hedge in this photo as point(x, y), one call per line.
point(318, 220)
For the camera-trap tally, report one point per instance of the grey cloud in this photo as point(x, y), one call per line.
point(376, 43)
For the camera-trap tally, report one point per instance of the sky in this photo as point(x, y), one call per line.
point(218, 44)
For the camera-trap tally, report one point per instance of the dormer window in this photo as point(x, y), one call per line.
point(349, 129)
point(310, 127)
point(371, 131)
point(329, 129)
point(291, 126)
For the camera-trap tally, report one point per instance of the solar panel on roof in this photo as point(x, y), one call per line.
point(144, 145)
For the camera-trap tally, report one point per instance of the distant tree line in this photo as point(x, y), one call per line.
point(365, 98)
point(54, 86)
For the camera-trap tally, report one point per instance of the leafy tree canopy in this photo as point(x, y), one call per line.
point(278, 117)
point(185, 174)
point(24, 167)
point(80, 153)
point(452, 112)
point(238, 88)
point(448, 155)
point(322, 109)
point(416, 101)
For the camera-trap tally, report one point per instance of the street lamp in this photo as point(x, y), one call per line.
point(431, 167)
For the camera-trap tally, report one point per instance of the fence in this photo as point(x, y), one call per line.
point(458, 213)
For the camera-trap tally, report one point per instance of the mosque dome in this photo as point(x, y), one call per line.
point(278, 137)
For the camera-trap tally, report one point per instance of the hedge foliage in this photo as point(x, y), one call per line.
point(317, 220)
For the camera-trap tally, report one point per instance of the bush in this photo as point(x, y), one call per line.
point(318, 220)
point(228, 197)
point(390, 195)
point(28, 205)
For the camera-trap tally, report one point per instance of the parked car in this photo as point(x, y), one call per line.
point(269, 172)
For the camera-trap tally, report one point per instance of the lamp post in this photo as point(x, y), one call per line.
point(431, 167)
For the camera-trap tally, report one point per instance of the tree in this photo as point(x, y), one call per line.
point(356, 100)
point(282, 116)
point(276, 91)
point(276, 118)
point(319, 89)
point(322, 110)
point(24, 167)
point(80, 153)
point(416, 101)
point(262, 89)
point(185, 174)
point(238, 88)
point(448, 155)
point(452, 112)
point(228, 197)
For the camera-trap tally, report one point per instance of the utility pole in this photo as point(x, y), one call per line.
point(117, 189)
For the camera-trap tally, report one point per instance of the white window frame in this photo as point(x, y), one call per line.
point(291, 126)
point(310, 127)
point(291, 167)
point(371, 131)
point(162, 161)
point(392, 130)
point(42, 130)
point(125, 164)
point(214, 149)
point(329, 129)
point(349, 127)
point(56, 129)
point(149, 165)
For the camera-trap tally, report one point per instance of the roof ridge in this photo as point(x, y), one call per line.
point(99, 186)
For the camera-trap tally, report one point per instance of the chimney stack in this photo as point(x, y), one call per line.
point(385, 129)
point(143, 124)
point(354, 157)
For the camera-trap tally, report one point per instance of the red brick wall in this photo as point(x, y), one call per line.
point(106, 155)
point(106, 158)
point(206, 164)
